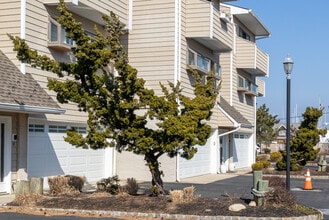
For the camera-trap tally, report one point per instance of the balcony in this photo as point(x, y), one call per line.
point(247, 87)
point(205, 26)
point(93, 10)
point(261, 87)
point(250, 58)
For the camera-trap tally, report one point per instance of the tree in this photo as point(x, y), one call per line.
point(265, 122)
point(307, 136)
point(122, 113)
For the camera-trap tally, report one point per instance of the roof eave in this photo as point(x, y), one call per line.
point(30, 109)
point(250, 20)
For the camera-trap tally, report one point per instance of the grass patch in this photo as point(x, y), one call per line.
point(307, 210)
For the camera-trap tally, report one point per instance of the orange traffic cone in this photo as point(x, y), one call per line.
point(308, 182)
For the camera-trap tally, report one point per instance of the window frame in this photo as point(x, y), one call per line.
point(62, 42)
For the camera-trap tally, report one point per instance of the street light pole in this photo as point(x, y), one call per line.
point(287, 65)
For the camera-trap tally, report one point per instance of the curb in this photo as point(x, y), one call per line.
point(104, 213)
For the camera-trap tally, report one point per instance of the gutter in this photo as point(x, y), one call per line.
point(30, 109)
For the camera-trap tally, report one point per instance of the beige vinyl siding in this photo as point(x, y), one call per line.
point(261, 87)
point(131, 165)
point(119, 7)
point(226, 83)
point(224, 121)
point(151, 41)
point(9, 23)
point(198, 15)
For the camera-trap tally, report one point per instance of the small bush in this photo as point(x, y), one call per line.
point(257, 166)
point(263, 157)
point(266, 164)
point(189, 193)
point(65, 184)
point(276, 156)
point(110, 185)
point(132, 186)
point(267, 150)
point(279, 196)
point(294, 166)
point(176, 196)
point(185, 195)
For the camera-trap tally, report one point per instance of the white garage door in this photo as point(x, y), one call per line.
point(241, 150)
point(49, 155)
point(200, 164)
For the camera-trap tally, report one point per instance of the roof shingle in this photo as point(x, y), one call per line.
point(21, 89)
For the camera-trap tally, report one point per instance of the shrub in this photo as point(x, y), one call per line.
point(276, 156)
point(294, 166)
point(262, 157)
point(65, 184)
point(110, 185)
point(176, 196)
point(185, 195)
point(189, 193)
point(267, 150)
point(257, 166)
point(279, 196)
point(132, 186)
point(266, 164)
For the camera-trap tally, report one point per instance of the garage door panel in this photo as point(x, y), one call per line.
point(198, 165)
point(241, 149)
point(49, 155)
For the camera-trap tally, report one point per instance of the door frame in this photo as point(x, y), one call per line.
point(5, 185)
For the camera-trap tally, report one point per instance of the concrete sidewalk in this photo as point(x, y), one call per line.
point(6, 198)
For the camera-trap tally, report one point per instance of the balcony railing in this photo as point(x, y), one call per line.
point(261, 87)
point(204, 25)
point(250, 58)
point(247, 87)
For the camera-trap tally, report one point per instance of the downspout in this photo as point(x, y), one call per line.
point(178, 48)
point(130, 15)
point(23, 30)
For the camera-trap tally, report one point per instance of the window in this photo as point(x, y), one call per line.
point(191, 59)
point(80, 130)
point(243, 34)
point(57, 36)
point(57, 129)
point(202, 63)
point(36, 128)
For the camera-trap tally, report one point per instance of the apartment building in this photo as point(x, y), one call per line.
point(164, 39)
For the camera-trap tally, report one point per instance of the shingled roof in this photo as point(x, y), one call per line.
point(21, 93)
point(233, 113)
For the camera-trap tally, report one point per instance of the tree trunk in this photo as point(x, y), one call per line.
point(157, 183)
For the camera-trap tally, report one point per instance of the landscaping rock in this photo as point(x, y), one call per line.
point(236, 207)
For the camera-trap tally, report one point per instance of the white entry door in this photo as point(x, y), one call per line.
point(5, 154)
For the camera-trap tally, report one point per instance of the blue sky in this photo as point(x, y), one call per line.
point(300, 29)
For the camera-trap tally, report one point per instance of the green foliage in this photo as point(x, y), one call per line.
point(110, 185)
point(276, 156)
point(264, 125)
point(262, 162)
point(257, 166)
point(267, 150)
point(120, 109)
point(307, 136)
